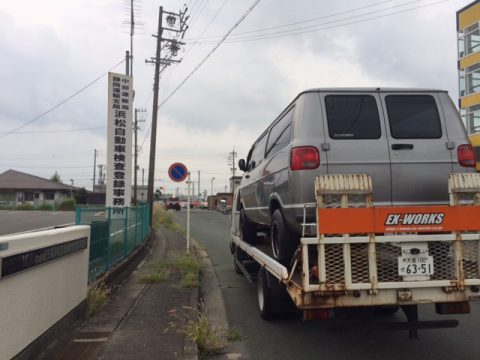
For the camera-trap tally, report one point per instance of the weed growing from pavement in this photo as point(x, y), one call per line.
point(205, 335)
point(160, 273)
point(161, 217)
point(97, 296)
point(189, 267)
point(234, 335)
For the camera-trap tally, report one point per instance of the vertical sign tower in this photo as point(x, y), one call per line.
point(119, 143)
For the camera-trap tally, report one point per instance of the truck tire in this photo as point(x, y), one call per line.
point(284, 240)
point(264, 295)
point(248, 230)
point(273, 298)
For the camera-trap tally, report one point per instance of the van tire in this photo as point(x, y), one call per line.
point(284, 240)
point(248, 230)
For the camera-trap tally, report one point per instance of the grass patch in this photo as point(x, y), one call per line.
point(189, 267)
point(161, 217)
point(160, 272)
point(234, 335)
point(204, 334)
point(190, 280)
point(97, 296)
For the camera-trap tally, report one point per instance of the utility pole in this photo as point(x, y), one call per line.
point(231, 161)
point(199, 191)
point(172, 47)
point(132, 31)
point(135, 166)
point(94, 167)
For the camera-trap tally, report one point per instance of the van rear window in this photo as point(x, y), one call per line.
point(413, 117)
point(352, 117)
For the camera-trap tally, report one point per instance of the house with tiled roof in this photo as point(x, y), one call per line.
point(19, 188)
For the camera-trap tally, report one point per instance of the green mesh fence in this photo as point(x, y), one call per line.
point(113, 236)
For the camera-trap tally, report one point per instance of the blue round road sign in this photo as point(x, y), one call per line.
point(177, 172)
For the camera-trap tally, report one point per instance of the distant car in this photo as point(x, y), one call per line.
point(173, 204)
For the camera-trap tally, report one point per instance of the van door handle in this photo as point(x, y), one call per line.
point(402, 146)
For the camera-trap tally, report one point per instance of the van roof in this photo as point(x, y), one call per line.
point(370, 89)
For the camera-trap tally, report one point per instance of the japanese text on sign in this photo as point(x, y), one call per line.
point(119, 143)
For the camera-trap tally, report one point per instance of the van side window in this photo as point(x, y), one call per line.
point(352, 117)
point(280, 134)
point(413, 117)
point(257, 153)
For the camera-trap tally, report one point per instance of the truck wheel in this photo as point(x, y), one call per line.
point(248, 230)
point(264, 295)
point(284, 240)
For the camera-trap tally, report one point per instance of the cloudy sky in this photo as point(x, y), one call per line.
point(52, 49)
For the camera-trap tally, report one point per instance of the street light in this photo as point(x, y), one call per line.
point(212, 184)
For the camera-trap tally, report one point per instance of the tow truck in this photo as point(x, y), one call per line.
point(358, 255)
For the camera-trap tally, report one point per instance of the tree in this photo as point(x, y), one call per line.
point(81, 196)
point(56, 177)
point(158, 194)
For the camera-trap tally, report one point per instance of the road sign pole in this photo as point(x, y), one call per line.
point(188, 215)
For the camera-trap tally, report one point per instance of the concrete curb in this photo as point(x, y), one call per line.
point(210, 292)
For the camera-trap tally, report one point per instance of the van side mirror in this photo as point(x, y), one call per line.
point(241, 165)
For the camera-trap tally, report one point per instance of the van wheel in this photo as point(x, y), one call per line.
point(248, 230)
point(284, 240)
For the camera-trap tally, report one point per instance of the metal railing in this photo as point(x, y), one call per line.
point(113, 237)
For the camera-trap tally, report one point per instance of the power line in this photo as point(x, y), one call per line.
point(196, 15)
point(249, 10)
point(61, 102)
point(213, 37)
point(336, 24)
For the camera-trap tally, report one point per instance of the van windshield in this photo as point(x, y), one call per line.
point(413, 117)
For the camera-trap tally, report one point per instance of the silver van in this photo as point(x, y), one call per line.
point(407, 140)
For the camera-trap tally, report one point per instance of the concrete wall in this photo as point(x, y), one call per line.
point(34, 299)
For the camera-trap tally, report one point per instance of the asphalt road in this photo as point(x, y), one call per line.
point(291, 338)
point(13, 221)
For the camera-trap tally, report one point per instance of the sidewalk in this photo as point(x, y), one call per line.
point(142, 321)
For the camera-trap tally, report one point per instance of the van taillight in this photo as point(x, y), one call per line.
point(304, 158)
point(466, 156)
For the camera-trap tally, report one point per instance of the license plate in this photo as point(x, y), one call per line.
point(415, 260)
point(415, 265)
